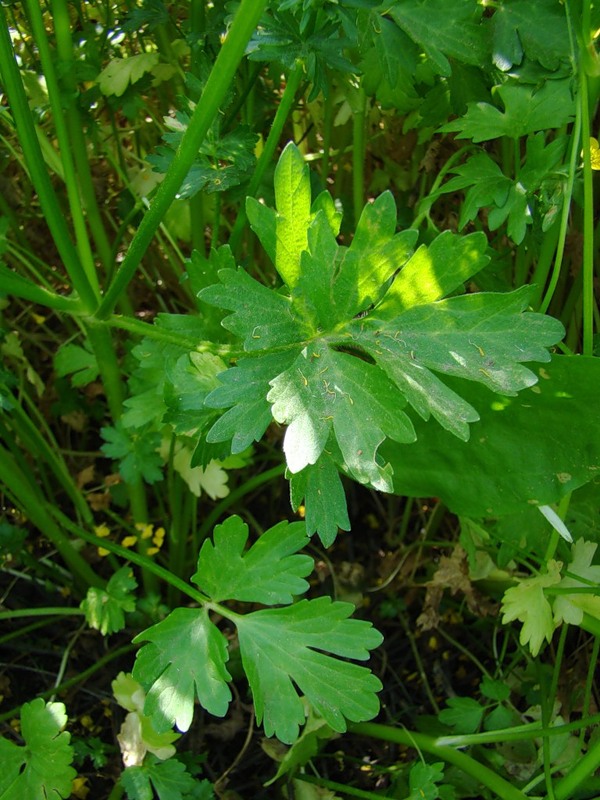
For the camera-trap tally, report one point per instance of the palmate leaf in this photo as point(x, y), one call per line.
point(42, 767)
point(270, 572)
point(298, 645)
point(355, 335)
point(526, 109)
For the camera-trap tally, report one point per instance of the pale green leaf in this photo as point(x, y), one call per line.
point(269, 572)
point(41, 768)
point(105, 608)
point(282, 652)
point(184, 658)
point(570, 608)
point(293, 204)
point(120, 72)
point(527, 602)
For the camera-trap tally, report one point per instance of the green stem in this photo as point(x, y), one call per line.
point(57, 103)
point(66, 55)
point(266, 157)
point(586, 766)
point(502, 788)
point(14, 284)
point(136, 558)
point(588, 218)
point(37, 169)
point(359, 155)
point(34, 507)
point(214, 93)
point(63, 611)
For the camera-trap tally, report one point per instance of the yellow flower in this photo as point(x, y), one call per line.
point(159, 537)
point(102, 551)
point(102, 531)
point(129, 541)
point(595, 153)
point(145, 529)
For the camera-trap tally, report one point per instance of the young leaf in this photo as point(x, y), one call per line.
point(527, 603)
point(136, 450)
point(185, 658)
point(42, 767)
point(105, 608)
point(423, 780)
point(281, 650)
point(526, 109)
point(269, 572)
point(78, 362)
point(120, 72)
point(463, 714)
point(571, 607)
point(168, 779)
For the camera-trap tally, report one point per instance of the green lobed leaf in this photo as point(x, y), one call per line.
point(78, 362)
point(188, 382)
point(41, 768)
point(526, 109)
point(326, 390)
point(463, 714)
point(184, 658)
point(517, 32)
point(105, 608)
point(435, 271)
point(269, 572)
point(281, 650)
point(168, 779)
point(135, 450)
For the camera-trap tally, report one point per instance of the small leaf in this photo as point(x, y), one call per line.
point(169, 779)
point(185, 658)
point(463, 714)
point(105, 608)
point(120, 72)
point(78, 362)
point(423, 779)
point(280, 651)
point(136, 450)
point(526, 109)
point(527, 603)
point(41, 768)
point(269, 572)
